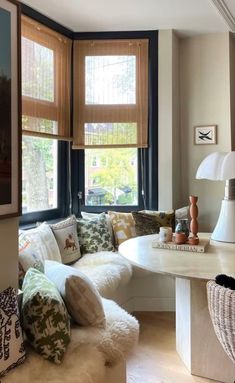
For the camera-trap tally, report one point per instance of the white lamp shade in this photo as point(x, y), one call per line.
point(228, 167)
point(217, 166)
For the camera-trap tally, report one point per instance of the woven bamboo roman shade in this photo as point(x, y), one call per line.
point(46, 76)
point(110, 93)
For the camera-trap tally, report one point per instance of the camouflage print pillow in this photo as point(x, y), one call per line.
point(45, 318)
point(94, 235)
point(149, 222)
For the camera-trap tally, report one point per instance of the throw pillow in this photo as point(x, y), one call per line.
point(86, 215)
point(149, 222)
point(81, 297)
point(45, 318)
point(66, 236)
point(12, 351)
point(123, 226)
point(29, 256)
point(43, 241)
point(94, 234)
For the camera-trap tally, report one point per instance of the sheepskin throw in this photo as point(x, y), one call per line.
point(89, 351)
point(107, 271)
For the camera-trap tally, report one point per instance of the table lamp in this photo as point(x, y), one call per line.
point(221, 167)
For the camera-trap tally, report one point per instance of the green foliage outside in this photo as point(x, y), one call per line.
point(118, 174)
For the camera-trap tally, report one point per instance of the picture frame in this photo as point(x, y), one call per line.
point(10, 109)
point(205, 135)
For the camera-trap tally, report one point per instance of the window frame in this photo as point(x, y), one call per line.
point(64, 147)
point(62, 193)
point(148, 156)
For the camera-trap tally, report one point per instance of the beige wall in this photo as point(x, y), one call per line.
point(232, 87)
point(204, 99)
point(8, 252)
point(168, 132)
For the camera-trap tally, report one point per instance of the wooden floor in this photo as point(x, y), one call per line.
point(155, 359)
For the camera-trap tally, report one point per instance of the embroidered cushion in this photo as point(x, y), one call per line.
point(12, 351)
point(94, 234)
point(29, 256)
point(43, 241)
point(80, 295)
point(149, 222)
point(123, 226)
point(66, 236)
point(45, 318)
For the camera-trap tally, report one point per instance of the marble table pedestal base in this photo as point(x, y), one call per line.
point(196, 341)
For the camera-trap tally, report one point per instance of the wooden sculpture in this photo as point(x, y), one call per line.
point(193, 238)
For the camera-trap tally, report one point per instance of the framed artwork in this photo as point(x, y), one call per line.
point(10, 109)
point(205, 135)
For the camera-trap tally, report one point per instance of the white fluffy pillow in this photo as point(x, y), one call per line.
point(81, 297)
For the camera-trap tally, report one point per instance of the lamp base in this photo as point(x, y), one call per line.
point(225, 227)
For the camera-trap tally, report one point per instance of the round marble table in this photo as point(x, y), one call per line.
point(219, 258)
point(196, 342)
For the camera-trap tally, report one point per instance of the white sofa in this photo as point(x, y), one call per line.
point(95, 355)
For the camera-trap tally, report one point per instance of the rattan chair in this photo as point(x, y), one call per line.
point(221, 303)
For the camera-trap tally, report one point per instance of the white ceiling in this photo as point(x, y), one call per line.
point(188, 17)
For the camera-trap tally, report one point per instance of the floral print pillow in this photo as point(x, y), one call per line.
point(94, 235)
point(45, 318)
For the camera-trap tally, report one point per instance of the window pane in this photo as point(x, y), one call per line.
point(39, 125)
point(110, 79)
point(110, 133)
point(111, 177)
point(37, 71)
point(39, 178)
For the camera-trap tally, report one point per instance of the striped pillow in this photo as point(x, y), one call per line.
point(81, 297)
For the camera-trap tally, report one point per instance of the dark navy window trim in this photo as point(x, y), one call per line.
point(150, 155)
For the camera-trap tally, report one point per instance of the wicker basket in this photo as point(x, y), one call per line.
point(221, 303)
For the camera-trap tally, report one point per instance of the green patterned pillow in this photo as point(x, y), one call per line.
point(94, 235)
point(45, 318)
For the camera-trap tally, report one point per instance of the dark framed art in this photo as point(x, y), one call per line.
point(10, 109)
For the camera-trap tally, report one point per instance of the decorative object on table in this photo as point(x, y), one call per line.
point(12, 352)
point(220, 166)
point(180, 238)
point(193, 239)
point(165, 234)
point(204, 135)
point(182, 226)
point(221, 303)
point(201, 248)
point(10, 107)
